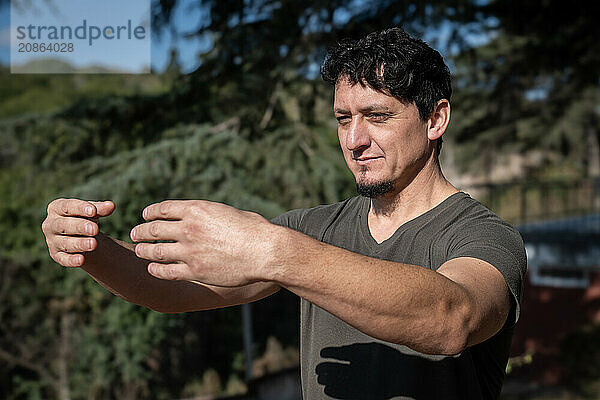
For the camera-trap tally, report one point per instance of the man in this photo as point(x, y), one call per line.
point(410, 290)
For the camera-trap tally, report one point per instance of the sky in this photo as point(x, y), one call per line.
point(79, 24)
point(185, 19)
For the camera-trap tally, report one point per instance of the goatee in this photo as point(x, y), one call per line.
point(374, 190)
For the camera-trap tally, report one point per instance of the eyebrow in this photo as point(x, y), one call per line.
point(365, 110)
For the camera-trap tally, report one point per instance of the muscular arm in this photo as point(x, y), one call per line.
point(439, 312)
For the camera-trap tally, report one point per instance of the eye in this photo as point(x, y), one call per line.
point(343, 119)
point(378, 117)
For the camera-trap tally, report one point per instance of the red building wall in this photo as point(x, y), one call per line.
point(548, 315)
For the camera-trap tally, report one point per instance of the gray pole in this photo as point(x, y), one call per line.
point(247, 332)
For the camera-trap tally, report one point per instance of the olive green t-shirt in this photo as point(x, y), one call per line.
point(340, 362)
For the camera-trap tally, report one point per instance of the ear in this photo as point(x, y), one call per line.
point(438, 120)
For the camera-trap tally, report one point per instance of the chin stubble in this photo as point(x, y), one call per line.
point(374, 190)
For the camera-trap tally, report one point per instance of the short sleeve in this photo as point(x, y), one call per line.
point(496, 242)
point(291, 219)
point(313, 221)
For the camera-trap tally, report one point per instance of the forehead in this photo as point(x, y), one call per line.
point(350, 96)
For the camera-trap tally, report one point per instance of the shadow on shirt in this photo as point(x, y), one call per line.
point(376, 371)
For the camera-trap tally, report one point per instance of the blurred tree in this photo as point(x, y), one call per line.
point(75, 338)
point(262, 51)
point(526, 72)
point(534, 86)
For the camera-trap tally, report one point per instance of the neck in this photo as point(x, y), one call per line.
point(420, 194)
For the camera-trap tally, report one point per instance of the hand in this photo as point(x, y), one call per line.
point(70, 227)
point(208, 242)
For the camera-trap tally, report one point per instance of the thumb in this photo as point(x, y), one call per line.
point(103, 208)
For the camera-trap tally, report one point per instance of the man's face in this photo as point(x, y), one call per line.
point(384, 141)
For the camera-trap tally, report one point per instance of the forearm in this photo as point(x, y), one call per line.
point(115, 266)
point(395, 302)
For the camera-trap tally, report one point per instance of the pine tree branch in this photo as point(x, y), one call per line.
point(271, 106)
point(14, 360)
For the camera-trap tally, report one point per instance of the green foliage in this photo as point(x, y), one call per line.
point(84, 341)
point(519, 361)
point(35, 93)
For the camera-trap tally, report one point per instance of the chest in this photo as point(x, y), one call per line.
point(424, 245)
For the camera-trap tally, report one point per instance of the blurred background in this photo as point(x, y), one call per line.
point(234, 111)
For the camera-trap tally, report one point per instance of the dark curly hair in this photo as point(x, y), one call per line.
point(393, 62)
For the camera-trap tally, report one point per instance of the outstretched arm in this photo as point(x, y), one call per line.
point(463, 303)
point(116, 267)
point(440, 312)
point(74, 240)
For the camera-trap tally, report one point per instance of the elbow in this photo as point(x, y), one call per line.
point(454, 334)
point(453, 346)
point(449, 342)
point(446, 330)
point(445, 333)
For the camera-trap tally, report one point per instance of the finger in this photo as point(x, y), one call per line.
point(69, 260)
point(156, 230)
point(171, 272)
point(330, 372)
point(104, 208)
point(163, 252)
point(69, 226)
point(168, 209)
point(66, 244)
point(338, 353)
point(72, 207)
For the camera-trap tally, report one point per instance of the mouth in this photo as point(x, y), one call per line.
point(366, 160)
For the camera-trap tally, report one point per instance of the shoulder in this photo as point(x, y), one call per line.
point(466, 210)
point(312, 220)
point(472, 223)
point(478, 232)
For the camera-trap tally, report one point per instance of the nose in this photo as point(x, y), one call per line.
point(357, 136)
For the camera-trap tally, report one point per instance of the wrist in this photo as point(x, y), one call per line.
point(277, 243)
